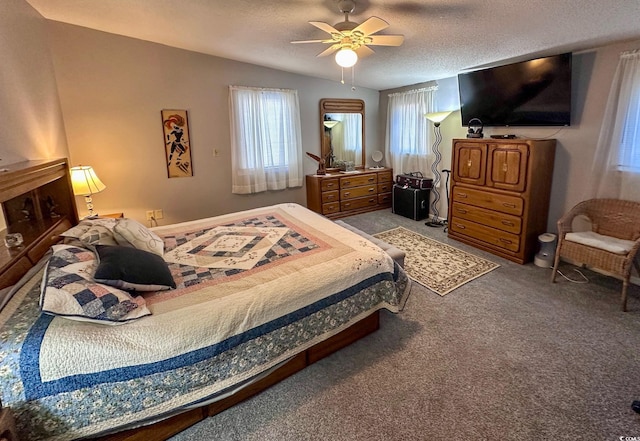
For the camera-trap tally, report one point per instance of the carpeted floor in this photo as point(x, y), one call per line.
point(508, 356)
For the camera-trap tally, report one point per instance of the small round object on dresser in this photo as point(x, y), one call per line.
point(12, 240)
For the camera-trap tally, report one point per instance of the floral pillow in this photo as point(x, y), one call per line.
point(68, 290)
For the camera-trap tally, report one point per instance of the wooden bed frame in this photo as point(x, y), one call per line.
point(37, 202)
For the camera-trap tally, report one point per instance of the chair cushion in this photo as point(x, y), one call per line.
point(607, 243)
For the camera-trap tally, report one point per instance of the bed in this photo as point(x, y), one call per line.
point(252, 297)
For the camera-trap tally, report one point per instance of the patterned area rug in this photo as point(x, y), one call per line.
point(439, 267)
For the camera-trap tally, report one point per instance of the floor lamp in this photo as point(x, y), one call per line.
point(436, 118)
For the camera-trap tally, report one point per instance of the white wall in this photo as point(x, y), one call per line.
point(112, 89)
point(32, 126)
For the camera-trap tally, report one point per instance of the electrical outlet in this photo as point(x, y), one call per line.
point(158, 214)
point(149, 215)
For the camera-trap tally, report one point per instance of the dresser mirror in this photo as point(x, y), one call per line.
point(342, 132)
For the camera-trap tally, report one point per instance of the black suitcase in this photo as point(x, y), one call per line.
point(414, 180)
point(410, 202)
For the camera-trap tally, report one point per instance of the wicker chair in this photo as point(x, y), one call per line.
point(612, 218)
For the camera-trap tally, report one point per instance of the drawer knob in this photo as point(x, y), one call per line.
point(508, 205)
point(371, 190)
point(462, 211)
point(462, 227)
point(462, 195)
point(505, 241)
point(347, 182)
point(504, 167)
point(346, 193)
point(508, 223)
point(371, 179)
point(330, 184)
point(469, 163)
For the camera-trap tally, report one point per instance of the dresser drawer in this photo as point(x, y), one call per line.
point(330, 184)
point(385, 176)
point(385, 199)
point(331, 207)
point(352, 204)
point(495, 219)
point(330, 196)
point(357, 192)
point(493, 201)
point(385, 187)
point(358, 180)
point(486, 234)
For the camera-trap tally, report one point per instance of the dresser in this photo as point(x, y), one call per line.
point(500, 194)
point(338, 195)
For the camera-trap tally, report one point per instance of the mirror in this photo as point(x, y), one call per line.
point(342, 131)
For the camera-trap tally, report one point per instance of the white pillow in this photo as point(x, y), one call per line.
point(132, 233)
point(607, 243)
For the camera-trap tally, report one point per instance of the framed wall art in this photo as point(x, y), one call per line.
point(177, 143)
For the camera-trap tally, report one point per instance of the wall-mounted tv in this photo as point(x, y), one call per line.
point(530, 93)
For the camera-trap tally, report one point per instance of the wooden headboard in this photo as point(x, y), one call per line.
point(38, 202)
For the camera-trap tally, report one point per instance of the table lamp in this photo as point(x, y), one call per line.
point(85, 183)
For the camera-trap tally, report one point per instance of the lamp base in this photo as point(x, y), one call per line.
point(435, 222)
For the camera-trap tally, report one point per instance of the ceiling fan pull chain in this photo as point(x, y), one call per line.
point(353, 78)
point(342, 79)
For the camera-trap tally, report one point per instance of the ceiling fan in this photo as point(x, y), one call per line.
point(352, 40)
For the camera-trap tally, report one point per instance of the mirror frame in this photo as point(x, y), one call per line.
point(341, 105)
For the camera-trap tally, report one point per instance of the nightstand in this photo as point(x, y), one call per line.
point(113, 215)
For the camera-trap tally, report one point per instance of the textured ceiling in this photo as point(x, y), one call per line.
point(442, 38)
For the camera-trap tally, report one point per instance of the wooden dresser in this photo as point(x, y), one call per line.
point(343, 194)
point(500, 194)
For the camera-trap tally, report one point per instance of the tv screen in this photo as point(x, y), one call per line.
point(530, 93)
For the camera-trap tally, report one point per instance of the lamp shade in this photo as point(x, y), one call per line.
point(346, 57)
point(85, 181)
point(437, 117)
point(330, 123)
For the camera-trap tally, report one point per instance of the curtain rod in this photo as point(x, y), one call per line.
point(422, 89)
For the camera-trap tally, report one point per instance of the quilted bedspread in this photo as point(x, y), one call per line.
point(253, 289)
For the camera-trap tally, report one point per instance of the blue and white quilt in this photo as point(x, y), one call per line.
point(253, 289)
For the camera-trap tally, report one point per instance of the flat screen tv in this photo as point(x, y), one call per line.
point(530, 93)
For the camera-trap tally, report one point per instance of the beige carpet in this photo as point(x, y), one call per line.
point(438, 266)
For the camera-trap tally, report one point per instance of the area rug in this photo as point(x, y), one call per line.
point(438, 266)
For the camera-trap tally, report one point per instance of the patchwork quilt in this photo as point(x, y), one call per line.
point(252, 289)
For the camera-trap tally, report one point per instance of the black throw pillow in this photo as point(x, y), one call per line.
point(132, 269)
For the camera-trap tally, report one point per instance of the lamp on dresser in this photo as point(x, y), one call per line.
point(436, 118)
point(86, 183)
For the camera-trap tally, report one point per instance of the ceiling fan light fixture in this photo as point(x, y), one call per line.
point(346, 57)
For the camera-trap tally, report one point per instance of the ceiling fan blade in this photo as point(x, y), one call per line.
point(371, 25)
point(325, 27)
point(329, 50)
point(364, 51)
point(312, 41)
point(386, 40)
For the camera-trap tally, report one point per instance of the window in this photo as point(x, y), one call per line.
point(615, 172)
point(629, 157)
point(408, 137)
point(266, 141)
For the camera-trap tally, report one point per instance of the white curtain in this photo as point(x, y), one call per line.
point(266, 141)
point(408, 138)
point(616, 166)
